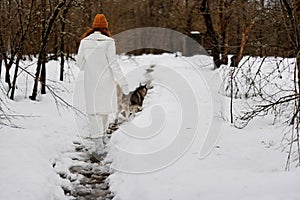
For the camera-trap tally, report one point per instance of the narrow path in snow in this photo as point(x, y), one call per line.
point(88, 175)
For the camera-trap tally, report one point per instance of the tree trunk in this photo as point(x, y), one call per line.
point(225, 28)
point(237, 58)
point(296, 7)
point(62, 42)
point(36, 80)
point(298, 67)
point(4, 59)
point(189, 16)
point(7, 77)
point(44, 43)
point(225, 43)
point(14, 83)
point(292, 16)
point(43, 76)
point(62, 64)
point(55, 48)
point(0, 64)
point(2, 52)
point(7, 69)
point(42, 55)
point(204, 8)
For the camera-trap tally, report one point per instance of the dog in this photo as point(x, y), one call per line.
point(132, 103)
point(138, 95)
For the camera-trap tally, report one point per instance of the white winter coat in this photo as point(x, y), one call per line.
point(97, 58)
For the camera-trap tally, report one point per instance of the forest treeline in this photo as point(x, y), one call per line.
point(270, 34)
point(52, 29)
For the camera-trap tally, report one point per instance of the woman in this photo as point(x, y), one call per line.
point(97, 58)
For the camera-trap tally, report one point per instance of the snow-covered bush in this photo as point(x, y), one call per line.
point(265, 86)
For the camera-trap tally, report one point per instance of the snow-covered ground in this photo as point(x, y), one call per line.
point(158, 154)
point(245, 164)
point(28, 153)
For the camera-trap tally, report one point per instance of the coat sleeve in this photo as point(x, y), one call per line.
point(80, 57)
point(115, 67)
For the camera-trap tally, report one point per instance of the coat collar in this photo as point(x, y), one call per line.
point(97, 36)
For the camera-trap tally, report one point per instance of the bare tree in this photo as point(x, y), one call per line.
point(204, 8)
point(235, 60)
point(24, 28)
point(268, 95)
point(2, 52)
point(42, 52)
point(225, 16)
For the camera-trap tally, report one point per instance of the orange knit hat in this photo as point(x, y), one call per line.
point(100, 21)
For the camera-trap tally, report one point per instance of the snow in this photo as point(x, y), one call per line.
point(27, 153)
point(25, 172)
point(184, 110)
point(245, 164)
point(195, 32)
